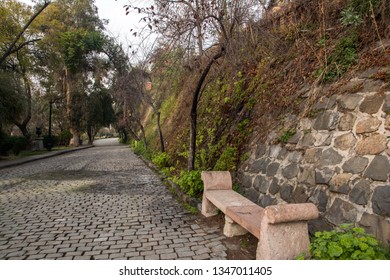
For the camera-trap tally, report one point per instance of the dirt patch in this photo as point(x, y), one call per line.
point(238, 247)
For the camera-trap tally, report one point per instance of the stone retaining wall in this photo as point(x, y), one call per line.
point(337, 159)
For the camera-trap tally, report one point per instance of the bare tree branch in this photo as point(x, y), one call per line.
point(11, 47)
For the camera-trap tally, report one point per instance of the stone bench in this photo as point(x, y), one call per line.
point(282, 230)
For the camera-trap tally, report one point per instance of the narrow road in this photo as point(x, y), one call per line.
point(98, 203)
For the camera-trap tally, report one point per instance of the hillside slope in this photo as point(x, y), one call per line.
point(283, 110)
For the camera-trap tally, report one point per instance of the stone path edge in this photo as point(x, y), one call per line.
point(174, 188)
point(20, 161)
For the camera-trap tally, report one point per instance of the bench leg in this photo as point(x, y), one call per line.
point(231, 228)
point(208, 209)
point(283, 241)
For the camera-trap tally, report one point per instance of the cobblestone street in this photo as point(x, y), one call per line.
point(97, 203)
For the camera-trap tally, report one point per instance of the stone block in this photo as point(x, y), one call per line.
point(260, 150)
point(261, 184)
point(378, 169)
point(246, 181)
point(320, 198)
point(330, 157)
point(324, 175)
point(368, 125)
point(294, 157)
point(355, 165)
point(325, 103)
point(231, 228)
point(274, 186)
point(305, 124)
point(381, 201)
point(283, 154)
point(350, 101)
point(360, 192)
point(386, 105)
point(347, 121)
point(341, 212)
point(387, 122)
point(372, 104)
point(313, 155)
point(290, 171)
point(372, 85)
point(340, 183)
point(377, 226)
point(327, 120)
point(272, 169)
point(307, 141)
point(299, 195)
point(252, 194)
point(266, 200)
point(286, 192)
point(307, 176)
point(274, 151)
point(352, 86)
point(323, 139)
point(345, 142)
point(259, 166)
point(372, 145)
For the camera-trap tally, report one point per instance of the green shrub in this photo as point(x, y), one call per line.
point(227, 161)
point(5, 143)
point(19, 143)
point(138, 147)
point(161, 160)
point(64, 138)
point(346, 243)
point(50, 141)
point(190, 182)
point(287, 135)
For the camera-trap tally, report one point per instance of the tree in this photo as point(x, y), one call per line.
point(13, 47)
point(16, 62)
point(99, 111)
point(70, 52)
point(195, 24)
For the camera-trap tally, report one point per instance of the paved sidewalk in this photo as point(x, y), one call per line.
point(16, 162)
point(97, 203)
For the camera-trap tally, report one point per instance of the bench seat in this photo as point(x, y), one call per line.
point(281, 229)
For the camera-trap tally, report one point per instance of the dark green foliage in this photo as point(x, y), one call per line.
point(5, 144)
point(77, 44)
point(161, 160)
point(50, 141)
point(346, 243)
point(19, 143)
point(64, 138)
point(228, 160)
point(190, 182)
point(14, 143)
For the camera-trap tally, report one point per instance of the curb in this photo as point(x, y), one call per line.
point(17, 162)
point(174, 188)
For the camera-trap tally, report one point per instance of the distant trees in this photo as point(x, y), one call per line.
point(55, 53)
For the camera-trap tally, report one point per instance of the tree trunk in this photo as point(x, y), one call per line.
point(90, 134)
point(162, 146)
point(76, 137)
point(23, 125)
point(194, 109)
point(68, 92)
